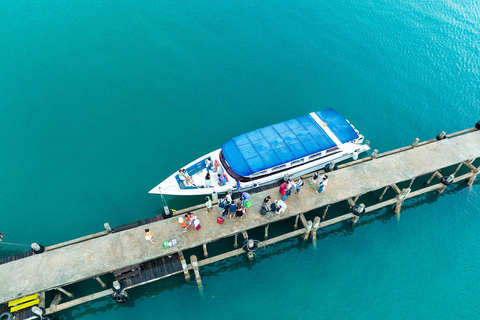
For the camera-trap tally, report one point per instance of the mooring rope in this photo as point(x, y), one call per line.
point(14, 244)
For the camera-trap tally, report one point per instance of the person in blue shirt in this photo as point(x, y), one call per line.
point(232, 209)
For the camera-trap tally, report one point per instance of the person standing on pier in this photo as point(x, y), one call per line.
point(208, 204)
point(228, 196)
point(232, 209)
point(313, 179)
point(298, 185)
point(322, 184)
point(290, 186)
point(149, 235)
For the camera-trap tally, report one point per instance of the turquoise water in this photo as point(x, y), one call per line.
point(100, 101)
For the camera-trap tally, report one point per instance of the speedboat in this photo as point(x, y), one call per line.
point(291, 148)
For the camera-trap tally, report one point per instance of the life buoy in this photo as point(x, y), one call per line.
point(246, 248)
point(358, 211)
point(444, 181)
point(6, 316)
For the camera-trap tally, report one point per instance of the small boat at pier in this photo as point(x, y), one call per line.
point(294, 148)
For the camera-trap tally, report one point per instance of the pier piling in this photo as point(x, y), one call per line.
point(194, 262)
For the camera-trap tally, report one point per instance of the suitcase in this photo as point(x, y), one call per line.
point(220, 220)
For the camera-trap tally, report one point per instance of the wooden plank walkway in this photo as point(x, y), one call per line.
point(151, 271)
point(16, 257)
point(115, 251)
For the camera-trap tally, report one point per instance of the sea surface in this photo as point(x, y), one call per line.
point(102, 100)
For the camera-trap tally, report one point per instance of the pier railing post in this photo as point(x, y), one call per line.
point(415, 142)
point(194, 262)
point(265, 236)
point(374, 154)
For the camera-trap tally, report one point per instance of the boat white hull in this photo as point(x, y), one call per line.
point(170, 185)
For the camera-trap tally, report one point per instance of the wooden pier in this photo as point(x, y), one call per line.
point(126, 254)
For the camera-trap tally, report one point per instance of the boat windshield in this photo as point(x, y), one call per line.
point(230, 171)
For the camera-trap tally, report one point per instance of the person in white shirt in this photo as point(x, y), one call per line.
point(281, 206)
point(322, 184)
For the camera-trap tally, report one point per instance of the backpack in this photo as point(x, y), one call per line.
point(221, 203)
point(273, 206)
point(263, 211)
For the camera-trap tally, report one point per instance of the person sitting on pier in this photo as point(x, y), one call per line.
point(266, 203)
point(322, 184)
point(281, 206)
point(188, 219)
point(182, 224)
point(149, 235)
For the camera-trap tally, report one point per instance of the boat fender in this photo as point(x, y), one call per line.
point(358, 210)
point(6, 316)
point(477, 125)
point(39, 250)
point(327, 168)
point(445, 180)
point(168, 213)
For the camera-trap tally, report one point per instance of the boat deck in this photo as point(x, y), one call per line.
point(85, 260)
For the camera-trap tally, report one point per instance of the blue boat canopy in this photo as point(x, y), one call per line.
point(286, 141)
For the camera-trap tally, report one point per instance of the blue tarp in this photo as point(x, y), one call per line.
point(284, 142)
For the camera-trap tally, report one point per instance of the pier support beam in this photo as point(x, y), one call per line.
point(68, 294)
point(431, 178)
point(315, 227)
point(383, 193)
point(205, 252)
point(352, 202)
point(186, 273)
point(235, 241)
point(308, 226)
point(194, 262)
point(355, 219)
point(265, 236)
point(400, 198)
point(101, 282)
point(325, 212)
point(295, 226)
